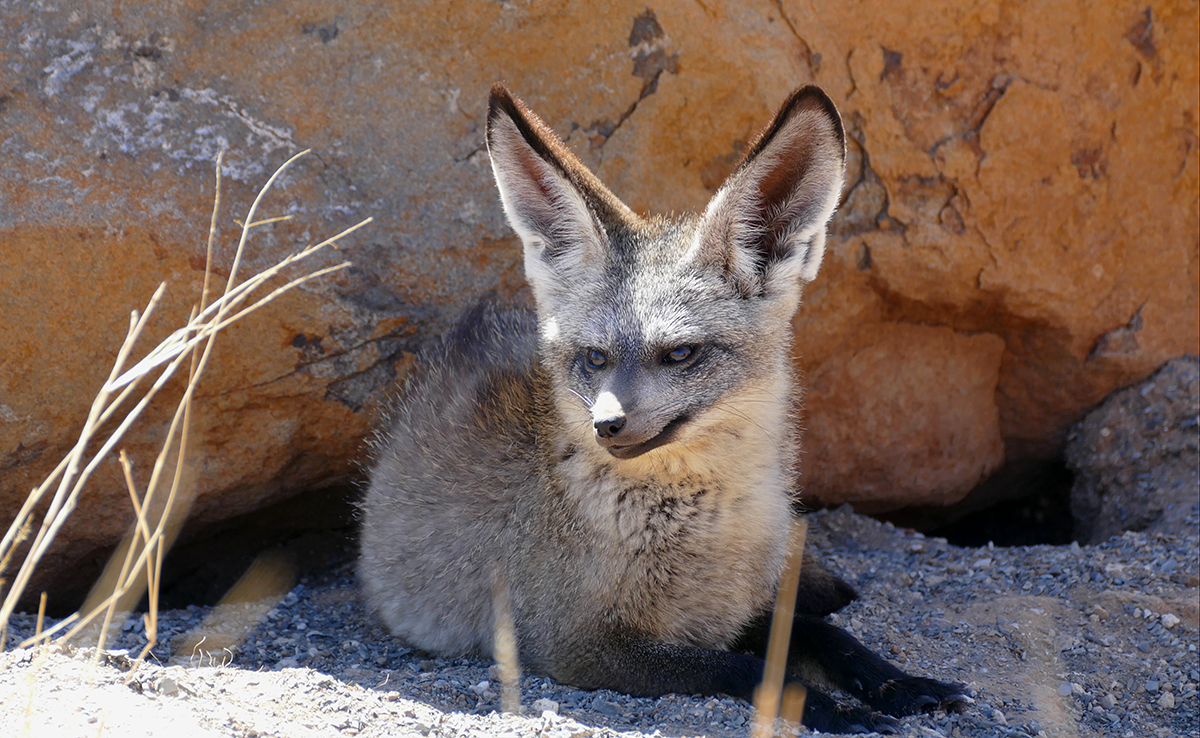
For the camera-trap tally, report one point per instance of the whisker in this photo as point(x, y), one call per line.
point(586, 402)
point(737, 412)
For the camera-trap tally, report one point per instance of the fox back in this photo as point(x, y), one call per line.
point(626, 458)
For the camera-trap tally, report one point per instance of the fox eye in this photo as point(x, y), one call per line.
point(596, 359)
point(678, 355)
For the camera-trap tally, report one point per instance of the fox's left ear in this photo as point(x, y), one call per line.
point(766, 225)
point(564, 215)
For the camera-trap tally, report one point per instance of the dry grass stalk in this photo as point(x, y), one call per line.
point(157, 512)
point(504, 645)
point(769, 695)
point(41, 621)
point(792, 709)
point(243, 607)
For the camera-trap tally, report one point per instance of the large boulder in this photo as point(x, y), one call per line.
point(1018, 236)
point(1136, 458)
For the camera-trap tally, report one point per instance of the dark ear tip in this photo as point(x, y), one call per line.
point(499, 92)
point(500, 99)
point(810, 97)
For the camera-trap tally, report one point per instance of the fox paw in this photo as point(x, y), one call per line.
point(824, 714)
point(910, 695)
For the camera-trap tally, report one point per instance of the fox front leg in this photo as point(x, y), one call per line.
point(821, 648)
point(638, 666)
point(868, 676)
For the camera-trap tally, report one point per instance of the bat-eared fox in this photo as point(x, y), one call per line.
point(625, 458)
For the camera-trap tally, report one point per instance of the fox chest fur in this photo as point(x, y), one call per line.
point(648, 544)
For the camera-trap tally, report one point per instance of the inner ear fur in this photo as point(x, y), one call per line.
point(767, 222)
point(540, 179)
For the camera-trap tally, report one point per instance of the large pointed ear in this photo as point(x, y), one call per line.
point(765, 227)
point(561, 211)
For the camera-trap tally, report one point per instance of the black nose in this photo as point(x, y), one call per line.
point(609, 427)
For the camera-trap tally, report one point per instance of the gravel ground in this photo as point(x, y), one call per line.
point(1052, 640)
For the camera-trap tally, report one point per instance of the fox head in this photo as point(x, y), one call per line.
point(668, 333)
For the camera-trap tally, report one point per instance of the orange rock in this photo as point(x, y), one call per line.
point(886, 438)
point(1020, 226)
point(1040, 175)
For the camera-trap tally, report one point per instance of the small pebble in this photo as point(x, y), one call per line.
point(480, 688)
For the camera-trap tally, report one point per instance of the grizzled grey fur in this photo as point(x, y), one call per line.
point(625, 460)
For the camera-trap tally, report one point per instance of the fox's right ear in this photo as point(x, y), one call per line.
point(765, 227)
point(561, 212)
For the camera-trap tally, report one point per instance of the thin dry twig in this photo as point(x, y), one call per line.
point(70, 477)
point(504, 644)
point(140, 565)
point(770, 694)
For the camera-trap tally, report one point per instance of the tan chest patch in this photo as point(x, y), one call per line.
point(686, 562)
